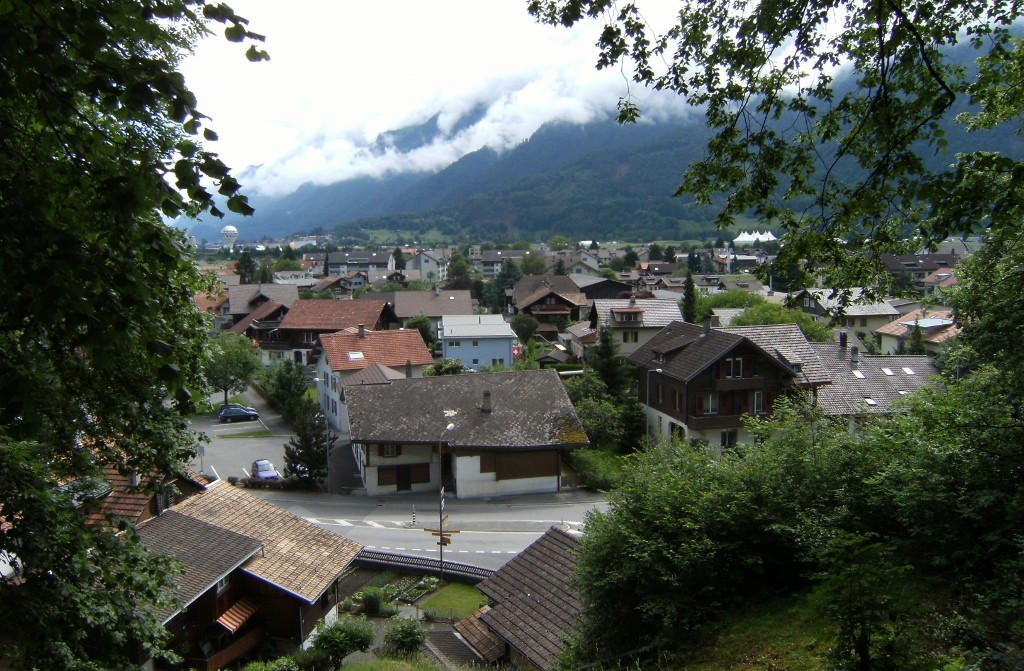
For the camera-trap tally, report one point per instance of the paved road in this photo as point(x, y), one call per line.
point(491, 530)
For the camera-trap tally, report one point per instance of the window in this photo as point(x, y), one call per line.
point(711, 404)
point(223, 584)
point(498, 362)
point(863, 321)
point(476, 362)
point(389, 450)
point(734, 367)
point(676, 400)
point(659, 390)
point(476, 343)
point(454, 343)
point(334, 383)
point(630, 336)
point(728, 438)
point(757, 403)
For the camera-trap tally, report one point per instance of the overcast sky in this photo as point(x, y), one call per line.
point(343, 71)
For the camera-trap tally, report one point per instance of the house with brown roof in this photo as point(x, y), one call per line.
point(866, 385)
point(341, 357)
point(938, 327)
point(847, 308)
point(534, 608)
point(555, 301)
point(308, 319)
point(243, 299)
point(253, 573)
point(431, 304)
point(633, 321)
point(916, 267)
point(698, 382)
point(338, 286)
point(509, 433)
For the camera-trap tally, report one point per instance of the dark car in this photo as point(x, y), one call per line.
point(225, 406)
point(263, 469)
point(240, 414)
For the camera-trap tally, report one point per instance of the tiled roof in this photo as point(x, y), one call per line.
point(388, 348)
point(726, 315)
point(903, 327)
point(919, 262)
point(532, 288)
point(656, 312)
point(529, 409)
point(375, 373)
point(210, 302)
point(299, 557)
point(536, 609)
point(429, 303)
point(856, 306)
point(326, 314)
point(482, 640)
point(686, 350)
point(580, 330)
point(882, 379)
point(242, 297)
point(261, 312)
point(131, 503)
point(206, 551)
point(788, 342)
point(326, 283)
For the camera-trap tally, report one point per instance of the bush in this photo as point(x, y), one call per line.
point(599, 469)
point(404, 637)
point(373, 601)
point(343, 637)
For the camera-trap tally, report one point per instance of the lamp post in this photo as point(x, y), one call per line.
point(647, 398)
point(440, 507)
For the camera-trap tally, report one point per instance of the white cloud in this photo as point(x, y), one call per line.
point(342, 72)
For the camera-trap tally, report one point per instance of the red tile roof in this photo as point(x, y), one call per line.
point(388, 348)
point(325, 314)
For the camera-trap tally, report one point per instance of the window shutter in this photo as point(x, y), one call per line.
point(744, 403)
point(380, 450)
point(398, 450)
point(700, 405)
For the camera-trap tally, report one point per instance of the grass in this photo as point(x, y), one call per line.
point(262, 433)
point(454, 601)
point(414, 664)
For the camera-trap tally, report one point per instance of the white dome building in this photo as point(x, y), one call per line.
point(228, 235)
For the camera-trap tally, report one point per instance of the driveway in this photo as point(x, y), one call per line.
point(233, 447)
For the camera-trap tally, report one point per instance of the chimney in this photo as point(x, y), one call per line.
point(707, 325)
point(632, 300)
point(133, 479)
point(853, 355)
point(842, 339)
point(362, 330)
point(486, 405)
point(408, 368)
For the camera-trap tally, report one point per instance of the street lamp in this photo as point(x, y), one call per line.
point(440, 507)
point(647, 398)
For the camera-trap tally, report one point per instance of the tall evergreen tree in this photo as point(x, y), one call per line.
point(246, 268)
point(689, 306)
point(608, 364)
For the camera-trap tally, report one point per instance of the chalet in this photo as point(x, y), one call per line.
point(347, 353)
point(534, 607)
point(338, 286)
point(858, 313)
point(916, 267)
point(554, 301)
point(291, 333)
point(478, 340)
point(243, 299)
point(633, 321)
point(937, 325)
point(594, 287)
point(254, 574)
point(697, 382)
point(508, 433)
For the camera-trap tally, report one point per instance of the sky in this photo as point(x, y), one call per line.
point(344, 71)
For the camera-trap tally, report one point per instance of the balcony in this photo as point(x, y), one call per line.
point(714, 422)
point(739, 384)
point(218, 659)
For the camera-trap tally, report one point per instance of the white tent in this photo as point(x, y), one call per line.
point(751, 238)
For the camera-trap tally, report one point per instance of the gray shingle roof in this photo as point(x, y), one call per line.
point(207, 552)
point(529, 409)
point(536, 609)
point(788, 342)
point(241, 297)
point(880, 378)
point(656, 312)
point(685, 349)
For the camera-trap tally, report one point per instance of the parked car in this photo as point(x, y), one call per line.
point(225, 406)
point(229, 415)
point(262, 469)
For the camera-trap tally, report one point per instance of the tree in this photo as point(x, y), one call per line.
point(233, 363)
point(608, 364)
point(100, 140)
point(689, 303)
point(284, 385)
point(773, 313)
point(630, 258)
point(399, 258)
point(342, 637)
point(558, 242)
point(654, 252)
point(425, 325)
point(305, 454)
point(404, 637)
point(265, 271)
point(533, 264)
point(246, 268)
point(525, 326)
point(560, 268)
point(824, 129)
point(505, 279)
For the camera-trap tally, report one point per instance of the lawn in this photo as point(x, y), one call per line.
point(454, 601)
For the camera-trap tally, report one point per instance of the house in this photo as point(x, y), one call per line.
point(858, 313)
point(535, 608)
point(938, 281)
point(478, 340)
point(866, 385)
point(124, 499)
point(344, 263)
point(578, 338)
point(698, 382)
point(594, 287)
point(343, 354)
point(937, 325)
point(575, 263)
point(555, 301)
point(253, 573)
point(338, 286)
point(215, 305)
point(431, 304)
point(490, 261)
point(509, 433)
point(308, 319)
point(432, 264)
point(243, 299)
point(633, 321)
point(913, 268)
